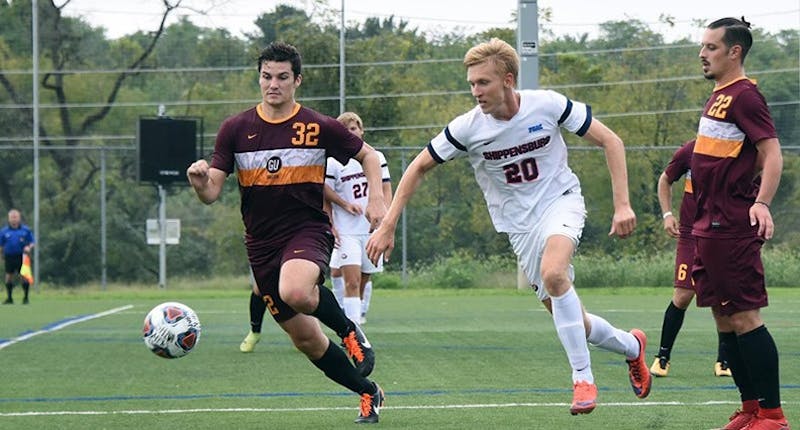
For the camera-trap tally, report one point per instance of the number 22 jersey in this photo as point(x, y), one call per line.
point(735, 118)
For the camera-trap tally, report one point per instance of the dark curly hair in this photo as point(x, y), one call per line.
point(281, 51)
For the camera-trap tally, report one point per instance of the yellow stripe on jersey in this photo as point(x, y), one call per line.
point(720, 148)
point(718, 139)
point(687, 186)
point(284, 176)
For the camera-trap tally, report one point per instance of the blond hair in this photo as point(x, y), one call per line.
point(497, 51)
point(350, 117)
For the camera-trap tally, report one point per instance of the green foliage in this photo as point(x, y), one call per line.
point(781, 266)
point(592, 269)
point(460, 270)
point(405, 85)
point(599, 270)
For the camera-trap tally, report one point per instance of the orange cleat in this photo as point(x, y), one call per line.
point(638, 373)
point(584, 398)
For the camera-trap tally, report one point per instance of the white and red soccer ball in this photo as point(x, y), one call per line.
point(171, 330)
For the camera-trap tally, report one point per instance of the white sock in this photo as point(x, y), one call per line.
point(568, 318)
point(338, 289)
point(367, 297)
point(352, 308)
point(606, 336)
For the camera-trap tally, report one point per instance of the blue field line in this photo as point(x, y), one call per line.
point(343, 394)
point(58, 325)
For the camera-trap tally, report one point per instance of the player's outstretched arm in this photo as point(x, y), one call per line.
point(381, 242)
point(624, 220)
point(206, 181)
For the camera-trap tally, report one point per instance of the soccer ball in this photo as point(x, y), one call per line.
point(171, 330)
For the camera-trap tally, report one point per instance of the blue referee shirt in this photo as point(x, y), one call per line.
point(14, 240)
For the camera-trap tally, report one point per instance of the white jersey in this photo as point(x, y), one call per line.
point(350, 183)
point(520, 164)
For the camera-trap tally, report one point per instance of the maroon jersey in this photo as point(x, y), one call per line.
point(677, 167)
point(281, 167)
point(723, 164)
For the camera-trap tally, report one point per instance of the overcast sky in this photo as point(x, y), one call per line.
point(568, 16)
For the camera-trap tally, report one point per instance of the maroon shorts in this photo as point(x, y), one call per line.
point(312, 242)
point(729, 275)
point(684, 257)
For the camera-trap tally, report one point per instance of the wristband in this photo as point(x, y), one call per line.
point(666, 214)
point(759, 202)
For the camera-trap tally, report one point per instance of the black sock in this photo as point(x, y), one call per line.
point(760, 354)
point(9, 287)
point(673, 321)
point(330, 314)
point(336, 366)
point(257, 309)
point(25, 287)
point(741, 377)
point(722, 354)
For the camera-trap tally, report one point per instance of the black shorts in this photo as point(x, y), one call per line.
point(312, 242)
point(13, 263)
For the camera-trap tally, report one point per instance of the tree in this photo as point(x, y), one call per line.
point(404, 84)
point(66, 44)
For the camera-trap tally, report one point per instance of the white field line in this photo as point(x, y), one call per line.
point(64, 324)
point(319, 409)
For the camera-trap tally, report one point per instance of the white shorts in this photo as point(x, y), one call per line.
point(352, 251)
point(566, 216)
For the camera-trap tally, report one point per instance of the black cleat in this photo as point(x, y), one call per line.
point(359, 350)
point(8, 301)
point(370, 407)
point(25, 301)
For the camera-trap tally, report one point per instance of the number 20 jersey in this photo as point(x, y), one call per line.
point(281, 167)
point(520, 164)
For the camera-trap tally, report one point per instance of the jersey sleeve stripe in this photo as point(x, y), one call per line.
point(435, 156)
point(687, 185)
point(288, 175)
point(453, 141)
point(586, 123)
point(567, 111)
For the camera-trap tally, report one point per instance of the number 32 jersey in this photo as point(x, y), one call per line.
point(281, 167)
point(519, 164)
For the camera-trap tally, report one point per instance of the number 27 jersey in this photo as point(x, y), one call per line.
point(519, 164)
point(350, 183)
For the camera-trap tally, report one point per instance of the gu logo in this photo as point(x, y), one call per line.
point(274, 164)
